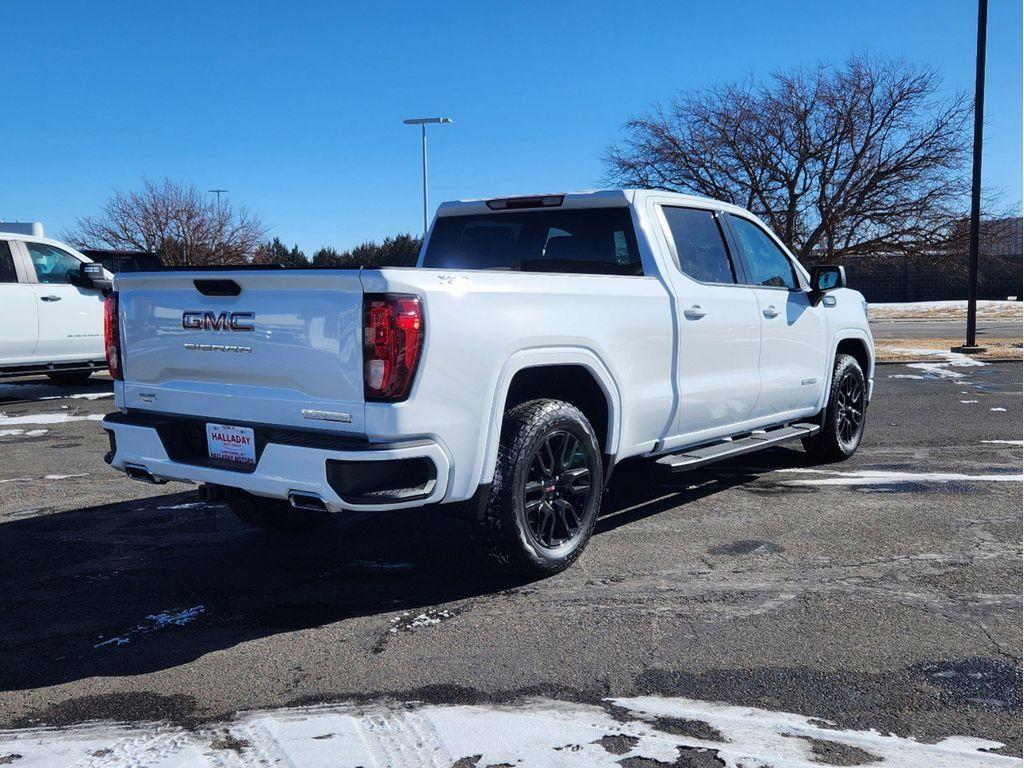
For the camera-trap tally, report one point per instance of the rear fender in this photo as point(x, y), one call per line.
point(532, 358)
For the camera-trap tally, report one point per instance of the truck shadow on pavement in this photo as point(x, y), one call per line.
point(32, 390)
point(145, 585)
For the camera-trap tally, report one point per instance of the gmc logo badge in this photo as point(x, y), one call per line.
point(225, 321)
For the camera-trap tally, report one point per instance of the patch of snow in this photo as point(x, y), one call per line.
point(409, 623)
point(64, 477)
point(17, 480)
point(946, 304)
point(48, 418)
point(941, 368)
point(1003, 410)
point(29, 433)
point(79, 396)
point(881, 477)
point(966, 402)
point(187, 505)
point(906, 376)
point(156, 621)
point(536, 733)
point(1004, 442)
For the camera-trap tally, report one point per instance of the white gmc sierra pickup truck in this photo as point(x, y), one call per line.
point(538, 342)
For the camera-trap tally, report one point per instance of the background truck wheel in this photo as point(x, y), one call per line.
point(843, 426)
point(273, 514)
point(69, 377)
point(546, 492)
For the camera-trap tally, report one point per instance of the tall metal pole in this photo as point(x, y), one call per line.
point(979, 119)
point(423, 127)
point(423, 122)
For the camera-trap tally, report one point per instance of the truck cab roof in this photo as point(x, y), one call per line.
point(595, 198)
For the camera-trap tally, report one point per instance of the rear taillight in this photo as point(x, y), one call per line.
point(112, 336)
point(392, 339)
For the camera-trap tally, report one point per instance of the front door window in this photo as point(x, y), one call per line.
point(768, 265)
point(52, 265)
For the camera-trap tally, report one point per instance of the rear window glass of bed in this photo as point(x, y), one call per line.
point(595, 241)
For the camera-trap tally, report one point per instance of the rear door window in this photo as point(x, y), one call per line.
point(767, 265)
point(7, 272)
point(700, 245)
point(581, 241)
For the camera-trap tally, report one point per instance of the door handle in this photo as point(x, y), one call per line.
point(49, 298)
point(770, 311)
point(694, 312)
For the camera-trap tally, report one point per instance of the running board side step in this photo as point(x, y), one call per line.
point(708, 454)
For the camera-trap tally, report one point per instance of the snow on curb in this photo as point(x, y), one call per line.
point(943, 310)
point(535, 733)
point(882, 477)
point(47, 418)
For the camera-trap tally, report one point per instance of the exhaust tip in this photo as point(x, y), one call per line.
point(210, 492)
point(139, 472)
point(307, 501)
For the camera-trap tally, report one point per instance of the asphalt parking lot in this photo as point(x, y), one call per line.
point(882, 593)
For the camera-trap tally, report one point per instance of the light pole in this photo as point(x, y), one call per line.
point(971, 344)
point(422, 122)
point(220, 224)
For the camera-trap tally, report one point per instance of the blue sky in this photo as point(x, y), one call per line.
point(296, 108)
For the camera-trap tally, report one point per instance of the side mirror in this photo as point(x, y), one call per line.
point(827, 278)
point(91, 276)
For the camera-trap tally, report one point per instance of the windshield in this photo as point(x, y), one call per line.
point(588, 241)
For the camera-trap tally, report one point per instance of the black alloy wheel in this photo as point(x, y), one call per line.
point(546, 493)
point(843, 419)
point(557, 490)
point(850, 408)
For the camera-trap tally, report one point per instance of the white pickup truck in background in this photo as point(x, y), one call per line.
point(539, 341)
point(51, 308)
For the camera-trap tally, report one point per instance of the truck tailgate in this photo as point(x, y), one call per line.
point(286, 350)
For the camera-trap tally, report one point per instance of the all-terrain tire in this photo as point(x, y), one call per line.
point(273, 514)
point(69, 377)
point(847, 403)
point(504, 529)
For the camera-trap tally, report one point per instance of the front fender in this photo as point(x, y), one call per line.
point(845, 334)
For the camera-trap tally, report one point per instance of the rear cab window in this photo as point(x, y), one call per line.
point(8, 274)
point(596, 241)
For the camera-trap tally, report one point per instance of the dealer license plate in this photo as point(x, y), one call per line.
point(231, 443)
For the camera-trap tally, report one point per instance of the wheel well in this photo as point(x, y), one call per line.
point(858, 350)
point(570, 383)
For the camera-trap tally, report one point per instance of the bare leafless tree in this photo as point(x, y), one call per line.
point(176, 222)
point(865, 158)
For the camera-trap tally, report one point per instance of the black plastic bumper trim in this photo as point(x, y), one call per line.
point(184, 437)
point(390, 481)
